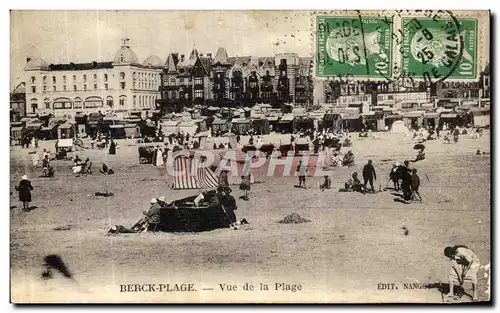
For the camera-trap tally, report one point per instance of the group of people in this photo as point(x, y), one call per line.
point(410, 181)
point(81, 167)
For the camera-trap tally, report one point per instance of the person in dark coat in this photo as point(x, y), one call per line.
point(245, 185)
point(24, 188)
point(369, 174)
point(112, 147)
point(415, 183)
point(406, 181)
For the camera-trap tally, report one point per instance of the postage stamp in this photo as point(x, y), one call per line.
point(436, 49)
point(250, 156)
point(360, 46)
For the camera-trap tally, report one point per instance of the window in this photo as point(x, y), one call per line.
point(55, 88)
point(74, 87)
point(64, 79)
point(172, 81)
point(64, 87)
point(198, 80)
point(95, 86)
point(33, 89)
point(198, 93)
point(47, 103)
point(84, 87)
point(95, 76)
point(45, 79)
point(123, 100)
point(84, 78)
point(106, 86)
point(109, 101)
point(122, 85)
point(53, 79)
point(105, 77)
point(122, 75)
point(44, 87)
point(134, 100)
point(186, 96)
point(33, 80)
point(390, 97)
point(74, 78)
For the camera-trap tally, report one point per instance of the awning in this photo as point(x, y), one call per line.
point(112, 118)
point(431, 115)
point(212, 108)
point(350, 116)
point(170, 123)
point(218, 115)
point(130, 125)
point(16, 124)
point(448, 115)
point(247, 109)
point(151, 125)
point(17, 128)
point(412, 114)
point(300, 114)
point(219, 122)
point(394, 116)
point(272, 118)
point(240, 121)
point(48, 128)
point(132, 120)
point(368, 114)
point(265, 105)
point(65, 126)
point(33, 125)
point(328, 117)
point(286, 118)
point(116, 126)
point(25, 119)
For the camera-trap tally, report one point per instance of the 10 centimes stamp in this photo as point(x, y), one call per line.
point(434, 47)
point(358, 46)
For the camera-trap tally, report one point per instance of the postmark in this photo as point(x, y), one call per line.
point(353, 46)
point(432, 47)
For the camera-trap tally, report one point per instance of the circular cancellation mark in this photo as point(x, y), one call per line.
point(431, 47)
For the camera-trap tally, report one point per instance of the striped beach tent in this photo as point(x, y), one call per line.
point(189, 174)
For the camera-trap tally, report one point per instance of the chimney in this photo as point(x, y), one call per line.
point(182, 57)
point(209, 55)
point(28, 59)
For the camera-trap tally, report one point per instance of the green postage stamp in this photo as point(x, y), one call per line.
point(395, 45)
point(360, 46)
point(440, 48)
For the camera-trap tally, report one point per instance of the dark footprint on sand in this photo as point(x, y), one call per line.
point(297, 186)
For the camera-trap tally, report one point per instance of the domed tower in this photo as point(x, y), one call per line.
point(125, 55)
point(153, 61)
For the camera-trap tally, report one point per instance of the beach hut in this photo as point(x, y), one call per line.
point(285, 124)
point(170, 127)
point(188, 127)
point(480, 117)
point(220, 125)
point(66, 130)
point(399, 127)
point(241, 125)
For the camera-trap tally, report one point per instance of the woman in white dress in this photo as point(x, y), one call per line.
point(159, 158)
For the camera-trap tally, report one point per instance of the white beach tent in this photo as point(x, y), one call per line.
point(399, 127)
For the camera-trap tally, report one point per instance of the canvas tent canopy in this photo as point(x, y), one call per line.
point(399, 127)
point(190, 173)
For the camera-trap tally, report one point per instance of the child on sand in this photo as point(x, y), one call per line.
point(415, 183)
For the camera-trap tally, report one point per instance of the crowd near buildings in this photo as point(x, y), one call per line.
point(200, 91)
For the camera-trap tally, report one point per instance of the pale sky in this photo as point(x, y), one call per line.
point(86, 36)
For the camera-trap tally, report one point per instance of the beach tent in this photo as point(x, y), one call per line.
point(189, 174)
point(399, 127)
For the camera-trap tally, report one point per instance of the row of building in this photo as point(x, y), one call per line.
point(125, 84)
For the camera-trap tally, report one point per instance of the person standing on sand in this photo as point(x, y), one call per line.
point(415, 183)
point(245, 185)
point(369, 175)
point(302, 172)
point(24, 188)
point(112, 147)
point(159, 158)
point(464, 265)
point(406, 181)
